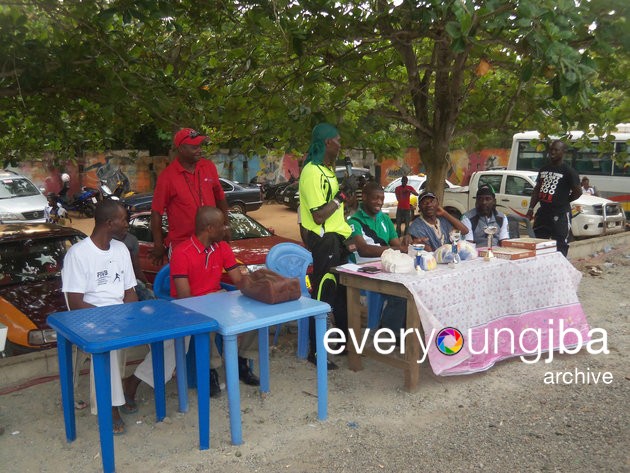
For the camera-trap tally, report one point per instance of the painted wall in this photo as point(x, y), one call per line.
point(142, 169)
point(462, 164)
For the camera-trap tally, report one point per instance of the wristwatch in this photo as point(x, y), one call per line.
point(336, 202)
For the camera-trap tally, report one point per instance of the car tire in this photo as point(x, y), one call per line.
point(280, 195)
point(11, 349)
point(237, 207)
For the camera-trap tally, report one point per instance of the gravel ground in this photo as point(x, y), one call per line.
point(506, 419)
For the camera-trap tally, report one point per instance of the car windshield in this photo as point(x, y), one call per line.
point(244, 227)
point(17, 187)
point(33, 259)
point(241, 225)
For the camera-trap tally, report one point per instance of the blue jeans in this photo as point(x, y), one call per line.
point(394, 314)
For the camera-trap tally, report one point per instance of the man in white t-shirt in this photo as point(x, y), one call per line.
point(98, 272)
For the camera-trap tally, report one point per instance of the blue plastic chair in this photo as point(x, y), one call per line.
point(162, 283)
point(292, 261)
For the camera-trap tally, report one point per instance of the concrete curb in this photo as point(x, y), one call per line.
point(583, 248)
point(15, 370)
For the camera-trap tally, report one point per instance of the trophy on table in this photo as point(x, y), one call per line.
point(490, 230)
point(456, 235)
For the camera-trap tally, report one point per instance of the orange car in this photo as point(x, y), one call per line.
point(31, 256)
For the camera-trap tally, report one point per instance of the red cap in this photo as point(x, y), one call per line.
point(188, 136)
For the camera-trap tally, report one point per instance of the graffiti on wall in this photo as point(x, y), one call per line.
point(461, 164)
point(142, 169)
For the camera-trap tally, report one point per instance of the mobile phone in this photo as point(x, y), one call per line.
point(369, 269)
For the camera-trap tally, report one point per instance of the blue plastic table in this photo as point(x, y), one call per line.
point(237, 314)
point(99, 330)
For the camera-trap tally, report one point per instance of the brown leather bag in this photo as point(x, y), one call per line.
point(266, 286)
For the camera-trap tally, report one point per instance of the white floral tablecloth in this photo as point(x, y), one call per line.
point(502, 309)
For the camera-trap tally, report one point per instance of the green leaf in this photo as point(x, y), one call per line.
point(453, 29)
point(527, 71)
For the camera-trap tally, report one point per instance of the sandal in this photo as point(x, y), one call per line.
point(119, 427)
point(80, 405)
point(129, 407)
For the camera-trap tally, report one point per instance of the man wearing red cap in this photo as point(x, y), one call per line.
point(186, 184)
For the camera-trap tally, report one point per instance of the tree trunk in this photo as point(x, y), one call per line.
point(435, 161)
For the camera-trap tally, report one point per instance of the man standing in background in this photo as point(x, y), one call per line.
point(557, 185)
point(403, 212)
point(186, 184)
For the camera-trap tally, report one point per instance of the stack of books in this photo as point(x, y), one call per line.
point(505, 252)
point(540, 246)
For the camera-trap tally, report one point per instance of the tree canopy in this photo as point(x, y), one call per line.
point(259, 74)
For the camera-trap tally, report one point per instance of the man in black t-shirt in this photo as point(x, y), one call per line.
point(557, 185)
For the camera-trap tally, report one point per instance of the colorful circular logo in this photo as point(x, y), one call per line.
point(449, 341)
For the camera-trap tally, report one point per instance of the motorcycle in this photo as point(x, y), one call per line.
point(274, 191)
point(113, 178)
point(83, 202)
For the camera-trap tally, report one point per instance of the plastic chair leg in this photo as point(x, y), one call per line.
point(276, 333)
point(191, 365)
point(302, 350)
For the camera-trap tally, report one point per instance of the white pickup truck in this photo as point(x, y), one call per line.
point(592, 216)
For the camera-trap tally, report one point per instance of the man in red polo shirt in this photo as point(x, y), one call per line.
point(403, 212)
point(186, 184)
point(196, 268)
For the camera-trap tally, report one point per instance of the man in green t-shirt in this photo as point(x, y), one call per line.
point(321, 215)
point(373, 232)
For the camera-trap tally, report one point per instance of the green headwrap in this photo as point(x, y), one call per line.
point(321, 133)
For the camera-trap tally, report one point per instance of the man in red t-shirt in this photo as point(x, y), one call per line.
point(403, 212)
point(186, 184)
point(196, 268)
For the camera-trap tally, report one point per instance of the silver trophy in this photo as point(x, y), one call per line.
point(490, 230)
point(456, 235)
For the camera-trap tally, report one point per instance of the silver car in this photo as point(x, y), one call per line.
point(20, 200)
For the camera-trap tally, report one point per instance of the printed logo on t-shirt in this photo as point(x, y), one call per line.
point(548, 186)
point(101, 278)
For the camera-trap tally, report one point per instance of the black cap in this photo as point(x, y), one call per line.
point(426, 194)
point(485, 190)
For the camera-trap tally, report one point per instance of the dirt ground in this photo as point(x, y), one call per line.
point(505, 419)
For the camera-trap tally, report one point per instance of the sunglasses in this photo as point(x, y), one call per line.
point(192, 135)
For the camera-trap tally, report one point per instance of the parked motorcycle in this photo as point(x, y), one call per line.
point(274, 191)
point(114, 183)
point(83, 202)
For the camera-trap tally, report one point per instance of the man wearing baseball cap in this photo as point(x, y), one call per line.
point(434, 225)
point(186, 184)
point(483, 215)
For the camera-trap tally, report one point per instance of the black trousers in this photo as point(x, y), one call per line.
point(328, 251)
point(555, 225)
